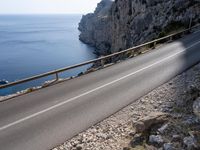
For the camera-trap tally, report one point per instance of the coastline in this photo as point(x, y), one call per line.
point(34, 44)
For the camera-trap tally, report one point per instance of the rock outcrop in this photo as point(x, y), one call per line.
point(120, 24)
point(96, 27)
point(148, 121)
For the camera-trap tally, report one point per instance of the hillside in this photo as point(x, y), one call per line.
point(120, 24)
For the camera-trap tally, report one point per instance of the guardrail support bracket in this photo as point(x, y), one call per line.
point(57, 78)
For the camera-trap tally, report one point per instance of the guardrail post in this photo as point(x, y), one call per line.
point(132, 53)
point(183, 33)
point(154, 45)
point(170, 39)
point(122, 56)
point(190, 25)
point(57, 78)
point(128, 54)
point(136, 52)
point(102, 62)
point(115, 58)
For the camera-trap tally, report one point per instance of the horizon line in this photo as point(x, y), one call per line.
point(43, 13)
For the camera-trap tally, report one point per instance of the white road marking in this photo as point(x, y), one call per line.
point(86, 93)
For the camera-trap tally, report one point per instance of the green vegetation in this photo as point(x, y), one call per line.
point(172, 28)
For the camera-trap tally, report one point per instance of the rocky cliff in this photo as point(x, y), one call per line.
point(120, 24)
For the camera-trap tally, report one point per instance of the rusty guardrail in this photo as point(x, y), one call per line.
point(101, 59)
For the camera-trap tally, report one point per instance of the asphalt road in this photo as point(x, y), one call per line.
point(45, 118)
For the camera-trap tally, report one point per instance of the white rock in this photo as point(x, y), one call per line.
point(196, 107)
point(168, 146)
point(189, 142)
point(101, 135)
point(156, 139)
point(163, 128)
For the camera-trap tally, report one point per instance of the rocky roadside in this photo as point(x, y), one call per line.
point(166, 119)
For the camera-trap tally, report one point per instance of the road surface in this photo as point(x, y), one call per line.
point(43, 119)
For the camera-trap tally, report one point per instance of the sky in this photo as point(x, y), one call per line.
point(47, 6)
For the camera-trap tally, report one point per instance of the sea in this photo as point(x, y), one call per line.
point(35, 44)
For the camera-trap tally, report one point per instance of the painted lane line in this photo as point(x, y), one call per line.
point(91, 91)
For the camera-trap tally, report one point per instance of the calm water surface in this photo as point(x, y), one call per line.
point(30, 45)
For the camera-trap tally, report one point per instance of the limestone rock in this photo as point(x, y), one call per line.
point(163, 128)
point(189, 142)
point(168, 146)
point(94, 27)
point(150, 120)
point(176, 138)
point(137, 140)
point(156, 140)
point(120, 24)
point(196, 107)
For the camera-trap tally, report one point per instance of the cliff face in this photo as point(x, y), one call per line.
point(96, 27)
point(120, 24)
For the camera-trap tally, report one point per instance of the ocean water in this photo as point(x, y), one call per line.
point(35, 44)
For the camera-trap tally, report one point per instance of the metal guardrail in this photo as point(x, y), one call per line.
point(101, 59)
